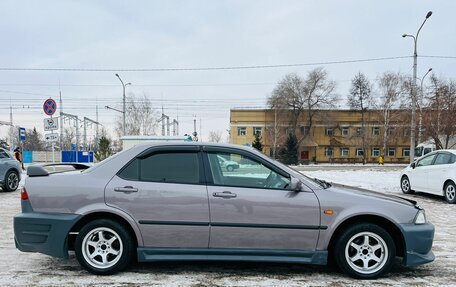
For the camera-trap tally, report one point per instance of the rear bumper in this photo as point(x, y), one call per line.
point(43, 232)
point(418, 243)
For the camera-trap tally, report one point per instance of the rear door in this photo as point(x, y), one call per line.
point(164, 191)
point(252, 207)
point(419, 176)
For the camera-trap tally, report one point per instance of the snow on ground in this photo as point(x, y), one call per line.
point(33, 269)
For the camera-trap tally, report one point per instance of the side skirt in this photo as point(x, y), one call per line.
point(150, 254)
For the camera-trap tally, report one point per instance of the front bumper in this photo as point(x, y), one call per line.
point(418, 243)
point(43, 232)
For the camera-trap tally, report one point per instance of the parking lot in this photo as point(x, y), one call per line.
point(28, 269)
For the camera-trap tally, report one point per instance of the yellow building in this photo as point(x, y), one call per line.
point(333, 136)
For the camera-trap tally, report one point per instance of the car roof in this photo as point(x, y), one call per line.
point(181, 143)
point(453, 151)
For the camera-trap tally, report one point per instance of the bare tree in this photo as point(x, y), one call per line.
point(141, 118)
point(300, 96)
point(360, 98)
point(439, 114)
point(391, 90)
point(215, 136)
point(68, 137)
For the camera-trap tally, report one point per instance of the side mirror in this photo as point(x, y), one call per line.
point(295, 184)
point(413, 165)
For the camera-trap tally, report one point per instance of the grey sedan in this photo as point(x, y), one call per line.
point(10, 171)
point(174, 201)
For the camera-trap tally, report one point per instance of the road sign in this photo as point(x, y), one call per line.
point(52, 137)
point(21, 134)
point(51, 124)
point(49, 107)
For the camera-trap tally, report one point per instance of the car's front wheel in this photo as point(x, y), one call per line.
point(364, 251)
point(230, 168)
point(104, 247)
point(450, 192)
point(405, 185)
point(11, 181)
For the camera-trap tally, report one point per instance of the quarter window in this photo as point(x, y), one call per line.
point(230, 169)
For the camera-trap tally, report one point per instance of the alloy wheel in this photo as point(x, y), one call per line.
point(366, 252)
point(102, 248)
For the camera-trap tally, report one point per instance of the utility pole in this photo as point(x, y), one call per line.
point(90, 121)
point(69, 117)
point(414, 89)
point(124, 100)
point(61, 119)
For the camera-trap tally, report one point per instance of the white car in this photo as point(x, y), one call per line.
point(434, 173)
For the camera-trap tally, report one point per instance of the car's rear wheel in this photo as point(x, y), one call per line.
point(11, 181)
point(104, 247)
point(365, 251)
point(405, 185)
point(230, 168)
point(450, 192)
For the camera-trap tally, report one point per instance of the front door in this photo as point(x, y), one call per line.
point(419, 176)
point(164, 192)
point(252, 207)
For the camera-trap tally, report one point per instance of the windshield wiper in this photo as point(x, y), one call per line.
point(323, 183)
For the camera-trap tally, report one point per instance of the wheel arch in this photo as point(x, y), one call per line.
point(383, 222)
point(102, 215)
point(447, 182)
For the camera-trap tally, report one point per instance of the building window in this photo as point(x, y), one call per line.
point(329, 151)
point(391, 131)
point(345, 131)
point(405, 151)
point(375, 152)
point(257, 131)
point(329, 131)
point(344, 151)
point(392, 151)
point(305, 130)
point(242, 131)
point(406, 132)
point(359, 151)
point(359, 131)
point(375, 131)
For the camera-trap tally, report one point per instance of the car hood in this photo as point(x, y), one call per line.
point(364, 193)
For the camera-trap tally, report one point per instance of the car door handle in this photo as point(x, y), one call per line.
point(126, 189)
point(225, 194)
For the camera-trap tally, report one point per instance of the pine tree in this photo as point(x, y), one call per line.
point(289, 153)
point(257, 142)
point(104, 149)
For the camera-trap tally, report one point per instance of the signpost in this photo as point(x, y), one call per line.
point(50, 124)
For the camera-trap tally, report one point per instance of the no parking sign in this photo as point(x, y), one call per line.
point(49, 107)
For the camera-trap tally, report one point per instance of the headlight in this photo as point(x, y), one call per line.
point(420, 217)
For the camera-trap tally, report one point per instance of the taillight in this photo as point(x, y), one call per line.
point(24, 195)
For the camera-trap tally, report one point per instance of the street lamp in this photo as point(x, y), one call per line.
point(415, 58)
point(420, 121)
point(124, 103)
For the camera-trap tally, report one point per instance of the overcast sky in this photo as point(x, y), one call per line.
point(193, 34)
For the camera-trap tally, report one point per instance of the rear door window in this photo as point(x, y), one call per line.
point(169, 167)
point(443, 158)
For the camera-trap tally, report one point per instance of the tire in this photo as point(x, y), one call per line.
point(104, 240)
point(450, 192)
point(230, 168)
point(405, 185)
point(364, 251)
point(11, 181)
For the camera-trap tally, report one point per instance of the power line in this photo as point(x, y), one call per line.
point(203, 68)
